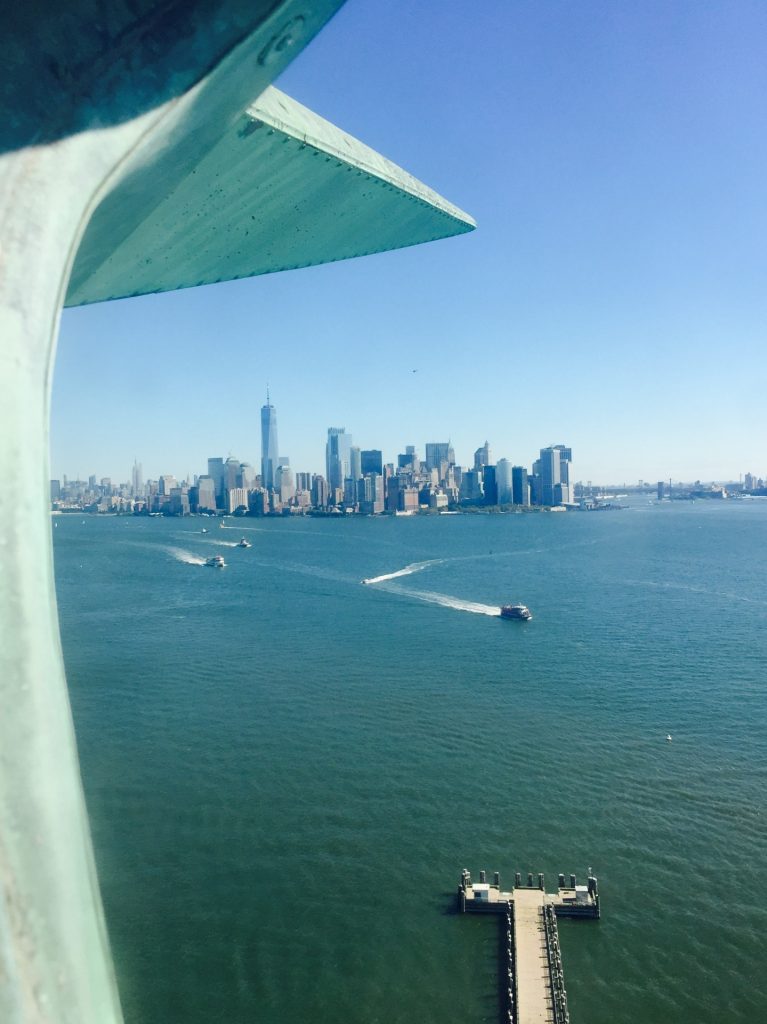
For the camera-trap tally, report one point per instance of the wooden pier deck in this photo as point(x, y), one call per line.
point(533, 1001)
point(535, 987)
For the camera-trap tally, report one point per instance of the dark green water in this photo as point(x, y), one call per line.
point(287, 770)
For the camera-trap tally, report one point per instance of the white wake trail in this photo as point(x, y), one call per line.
point(407, 571)
point(446, 601)
point(186, 556)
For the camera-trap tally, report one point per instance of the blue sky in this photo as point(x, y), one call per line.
point(612, 298)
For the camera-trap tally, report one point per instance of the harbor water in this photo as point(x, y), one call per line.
point(286, 769)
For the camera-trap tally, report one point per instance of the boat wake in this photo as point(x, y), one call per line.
point(407, 571)
point(186, 556)
point(445, 600)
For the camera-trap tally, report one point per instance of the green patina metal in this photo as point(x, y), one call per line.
point(280, 188)
point(128, 148)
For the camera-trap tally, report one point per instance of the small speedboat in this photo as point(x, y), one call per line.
point(215, 562)
point(203, 530)
point(242, 543)
point(516, 611)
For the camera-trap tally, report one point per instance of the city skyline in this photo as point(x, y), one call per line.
point(430, 452)
point(612, 293)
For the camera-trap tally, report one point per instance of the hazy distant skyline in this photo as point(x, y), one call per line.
point(612, 297)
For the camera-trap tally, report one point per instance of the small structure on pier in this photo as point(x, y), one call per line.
point(568, 901)
point(534, 979)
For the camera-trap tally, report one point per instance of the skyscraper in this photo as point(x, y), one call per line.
point(137, 480)
point(482, 456)
point(231, 473)
point(337, 456)
point(504, 482)
point(489, 485)
point(372, 462)
point(269, 446)
point(438, 452)
point(216, 471)
point(520, 485)
point(555, 474)
point(355, 463)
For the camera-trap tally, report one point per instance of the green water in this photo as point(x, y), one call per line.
point(286, 770)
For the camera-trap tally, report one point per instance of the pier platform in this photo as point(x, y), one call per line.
point(532, 961)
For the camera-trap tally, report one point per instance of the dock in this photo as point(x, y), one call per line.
point(532, 962)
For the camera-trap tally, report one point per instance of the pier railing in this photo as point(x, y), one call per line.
point(532, 984)
point(556, 974)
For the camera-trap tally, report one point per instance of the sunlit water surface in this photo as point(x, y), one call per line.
point(286, 769)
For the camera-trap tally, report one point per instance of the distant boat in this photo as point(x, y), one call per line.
point(669, 738)
point(215, 562)
point(242, 543)
point(203, 530)
point(516, 611)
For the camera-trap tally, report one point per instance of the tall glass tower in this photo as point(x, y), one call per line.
point(338, 456)
point(269, 446)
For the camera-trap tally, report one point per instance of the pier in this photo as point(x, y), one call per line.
point(532, 962)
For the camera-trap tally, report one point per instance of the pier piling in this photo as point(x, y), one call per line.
point(531, 956)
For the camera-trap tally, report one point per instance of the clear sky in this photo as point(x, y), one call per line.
point(613, 297)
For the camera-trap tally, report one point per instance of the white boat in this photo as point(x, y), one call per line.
point(516, 611)
point(215, 562)
point(242, 543)
point(203, 530)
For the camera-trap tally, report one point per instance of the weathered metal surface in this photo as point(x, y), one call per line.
point(280, 188)
point(109, 108)
point(79, 64)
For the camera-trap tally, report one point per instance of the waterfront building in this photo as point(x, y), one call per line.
point(55, 490)
point(489, 485)
point(284, 484)
point(337, 457)
point(236, 497)
point(471, 485)
point(269, 446)
point(504, 482)
point(350, 492)
point(258, 502)
point(391, 497)
point(554, 470)
point(303, 481)
point(178, 502)
point(319, 491)
point(536, 487)
point(206, 494)
point(166, 484)
point(370, 494)
point(520, 486)
point(408, 499)
point(371, 461)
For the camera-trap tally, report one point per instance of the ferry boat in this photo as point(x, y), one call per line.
point(516, 611)
point(215, 562)
point(242, 543)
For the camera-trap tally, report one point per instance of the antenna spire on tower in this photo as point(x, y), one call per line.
point(267, 392)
